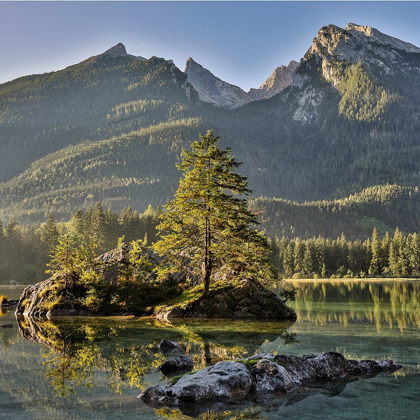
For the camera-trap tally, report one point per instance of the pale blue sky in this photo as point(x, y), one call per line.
point(240, 42)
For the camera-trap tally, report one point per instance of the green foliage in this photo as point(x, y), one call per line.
point(96, 133)
point(25, 249)
point(207, 229)
point(382, 206)
point(288, 294)
point(362, 98)
point(376, 257)
point(82, 282)
point(72, 261)
point(249, 363)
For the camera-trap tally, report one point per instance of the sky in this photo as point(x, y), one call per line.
point(239, 42)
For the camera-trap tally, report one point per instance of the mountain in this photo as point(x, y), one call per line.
point(385, 207)
point(280, 79)
point(221, 94)
point(118, 51)
point(213, 90)
point(112, 92)
point(112, 127)
point(370, 71)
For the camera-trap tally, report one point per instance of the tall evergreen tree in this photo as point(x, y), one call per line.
point(376, 253)
point(49, 234)
point(207, 227)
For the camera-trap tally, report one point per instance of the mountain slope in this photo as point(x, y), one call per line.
point(213, 90)
point(40, 114)
point(384, 207)
point(112, 128)
point(280, 79)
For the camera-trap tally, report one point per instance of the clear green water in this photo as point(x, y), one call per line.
point(94, 368)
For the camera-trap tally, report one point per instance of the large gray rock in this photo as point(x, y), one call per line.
point(223, 381)
point(282, 373)
point(328, 366)
point(270, 376)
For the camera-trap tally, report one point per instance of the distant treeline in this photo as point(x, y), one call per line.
point(396, 256)
point(25, 250)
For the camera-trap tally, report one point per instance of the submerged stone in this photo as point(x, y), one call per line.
point(177, 365)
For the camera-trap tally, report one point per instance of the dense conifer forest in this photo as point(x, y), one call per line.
point(26, 249)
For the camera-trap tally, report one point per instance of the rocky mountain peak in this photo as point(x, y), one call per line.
point(213, 90)
point(357, 43)
point(280, 79)
point(119, 50)
point(116, 50)
point(381, 38)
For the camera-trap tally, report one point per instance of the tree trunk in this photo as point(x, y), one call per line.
point(208, 262)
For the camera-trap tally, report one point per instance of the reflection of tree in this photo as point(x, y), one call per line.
point(396, 303)
point(126, 351)
point(209, 342)
point(77, 352)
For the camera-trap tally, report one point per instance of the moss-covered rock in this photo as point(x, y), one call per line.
point(248, 299)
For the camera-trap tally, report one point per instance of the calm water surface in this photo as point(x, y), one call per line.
point(94, 368)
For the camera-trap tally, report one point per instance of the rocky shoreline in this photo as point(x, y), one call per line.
point(261, 374)
point(248, 299)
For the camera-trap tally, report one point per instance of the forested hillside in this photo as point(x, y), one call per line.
point(383, 207)
point(111, 129)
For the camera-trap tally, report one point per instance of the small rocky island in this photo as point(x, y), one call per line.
point(261, 374)
point(209, 260)
point(248, 299)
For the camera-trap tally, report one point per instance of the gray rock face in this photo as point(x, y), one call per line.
point(119, 50)
point(221, 94)
point(177, 365)
point(283, 373)
point(33, 298)
point(270, 376)
point(333, 50)
point(280, 79)
point(223, 381)
point(213, 90)
point(358, 43)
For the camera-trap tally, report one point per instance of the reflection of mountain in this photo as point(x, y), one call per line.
point(126, 350)
point(393, 304)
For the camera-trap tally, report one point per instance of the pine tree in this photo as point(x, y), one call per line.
point(207, 227)
point(375, 262)
point(307, 259)
point(49, 234)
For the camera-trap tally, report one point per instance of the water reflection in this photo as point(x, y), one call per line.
point(396, 304)
point(126, 350)
point(350, 317)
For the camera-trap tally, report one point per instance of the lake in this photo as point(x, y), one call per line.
point(94, 368)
